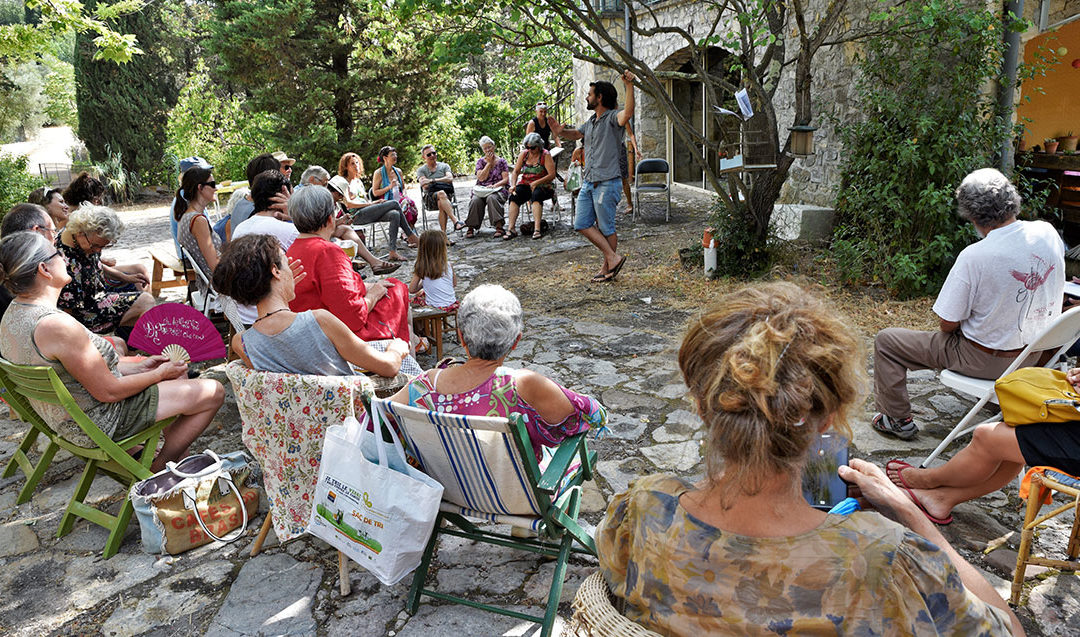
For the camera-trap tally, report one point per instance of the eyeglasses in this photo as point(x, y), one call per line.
point(286, 168)
point(53, 256)
point(97, 244)
point(211, 183)
point(52, 231)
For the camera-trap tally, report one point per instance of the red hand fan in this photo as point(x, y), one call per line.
point(179, 331)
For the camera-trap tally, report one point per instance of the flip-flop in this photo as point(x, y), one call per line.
point(458, 225)
point(423, 346)
point(940, 521)
point(897, 466)
point(618, 266)
point(603, 277)
point(537, 234)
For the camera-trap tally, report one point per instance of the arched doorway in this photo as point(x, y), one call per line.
point(690, 98)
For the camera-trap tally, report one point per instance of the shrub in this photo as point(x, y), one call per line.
point(459, 126)
point(15, 182)
point(904, 160)
point(215, 127)
point(124, 106)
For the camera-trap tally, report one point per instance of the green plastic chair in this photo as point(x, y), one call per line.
point(109, 457)
point(489, 473)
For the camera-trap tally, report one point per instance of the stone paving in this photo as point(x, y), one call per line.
point(627, 361)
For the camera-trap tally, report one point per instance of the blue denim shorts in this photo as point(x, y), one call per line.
point(596, 204)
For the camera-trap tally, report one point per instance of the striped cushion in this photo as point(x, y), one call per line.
point(474, 458)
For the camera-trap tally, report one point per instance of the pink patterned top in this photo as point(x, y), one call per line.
point(498, 397)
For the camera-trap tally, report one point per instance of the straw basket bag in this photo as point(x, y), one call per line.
point(596, 616)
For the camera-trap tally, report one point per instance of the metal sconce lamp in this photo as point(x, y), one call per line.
point(802, 140)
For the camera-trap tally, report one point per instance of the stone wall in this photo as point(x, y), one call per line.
point(813, 180)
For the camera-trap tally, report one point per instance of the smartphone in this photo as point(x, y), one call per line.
point(822, 486)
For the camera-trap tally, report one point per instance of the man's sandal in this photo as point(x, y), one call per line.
point(510, 234)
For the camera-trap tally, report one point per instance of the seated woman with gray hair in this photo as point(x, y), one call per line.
point(89, 230)
point(490, 192)
point(121, 396)
point(375, 311)
point(489, 327)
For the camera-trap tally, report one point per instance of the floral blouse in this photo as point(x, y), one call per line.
point(497, 396)
point(86, 297)
point(858, 574)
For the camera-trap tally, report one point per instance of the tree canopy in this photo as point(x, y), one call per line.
point(334, 76)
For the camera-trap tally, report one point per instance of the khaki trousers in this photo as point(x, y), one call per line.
point(896, 350)
point(493, 203)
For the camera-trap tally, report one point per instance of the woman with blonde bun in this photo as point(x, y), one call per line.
point(769, 368)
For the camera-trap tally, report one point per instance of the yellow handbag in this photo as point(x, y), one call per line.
point(1036, 394)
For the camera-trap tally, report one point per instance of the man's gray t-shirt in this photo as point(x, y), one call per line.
point(442, 169)
point(603, 137)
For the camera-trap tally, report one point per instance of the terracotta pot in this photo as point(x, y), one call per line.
point(1051, 147)
point(1068, 144)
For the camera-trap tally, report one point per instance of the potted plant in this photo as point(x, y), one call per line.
point(1068, 142)
point(1050, 144)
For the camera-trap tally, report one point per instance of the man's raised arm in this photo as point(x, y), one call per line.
point(628, 107)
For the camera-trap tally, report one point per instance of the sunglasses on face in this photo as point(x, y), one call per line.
point(431, 154)
point(212, 184)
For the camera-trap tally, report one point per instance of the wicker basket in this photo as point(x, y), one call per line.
point(596, 616)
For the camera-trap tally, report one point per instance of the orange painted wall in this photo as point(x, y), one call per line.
point(1058, 110)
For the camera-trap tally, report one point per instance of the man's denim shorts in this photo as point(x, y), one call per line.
point(596, 204)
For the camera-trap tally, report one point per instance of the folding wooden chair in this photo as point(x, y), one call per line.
point(1041, 483)
point(23, 383)
point(1059, 337)
point(489, 473)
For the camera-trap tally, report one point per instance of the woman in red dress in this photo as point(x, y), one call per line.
point(373, 312)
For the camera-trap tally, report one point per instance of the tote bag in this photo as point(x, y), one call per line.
point(369, 503)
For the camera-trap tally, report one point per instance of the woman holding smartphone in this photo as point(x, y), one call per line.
point(769, 369)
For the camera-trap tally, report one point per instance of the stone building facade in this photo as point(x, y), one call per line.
point(812, 180)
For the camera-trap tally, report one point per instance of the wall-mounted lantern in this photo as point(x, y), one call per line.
point(802, 140)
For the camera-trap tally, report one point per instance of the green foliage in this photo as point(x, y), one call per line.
point(21, 112)
point(335, 76)
point(121, 185)
point(459, 126)
point(15, 182)
point(56, 18)
point(216, 127)
point(59, 90)
point(928, 124)
point(124, 107)
point(740, 251)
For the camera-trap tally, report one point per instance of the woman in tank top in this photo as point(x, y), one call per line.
point(121, 395)
point(255, 270)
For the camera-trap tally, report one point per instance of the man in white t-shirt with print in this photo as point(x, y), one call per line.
point(1001, 293)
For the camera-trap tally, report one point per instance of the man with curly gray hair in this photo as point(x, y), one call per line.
point(1002, 292)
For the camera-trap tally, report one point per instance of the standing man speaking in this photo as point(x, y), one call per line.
point(602, 188)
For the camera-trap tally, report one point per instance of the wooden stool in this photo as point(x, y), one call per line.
point(429, 322)
point(162, 261)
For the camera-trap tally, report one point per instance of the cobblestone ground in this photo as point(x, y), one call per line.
point(624, 358)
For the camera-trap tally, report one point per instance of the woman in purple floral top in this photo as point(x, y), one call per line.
point(490, 193)
point(489, 323)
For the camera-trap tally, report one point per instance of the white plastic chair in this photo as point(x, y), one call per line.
point(1060, 336)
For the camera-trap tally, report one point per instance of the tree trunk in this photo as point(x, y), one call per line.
point(343, 119)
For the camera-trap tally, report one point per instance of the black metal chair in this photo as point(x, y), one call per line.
point(652, 167)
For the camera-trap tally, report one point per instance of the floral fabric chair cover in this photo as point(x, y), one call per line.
point(284, 419)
